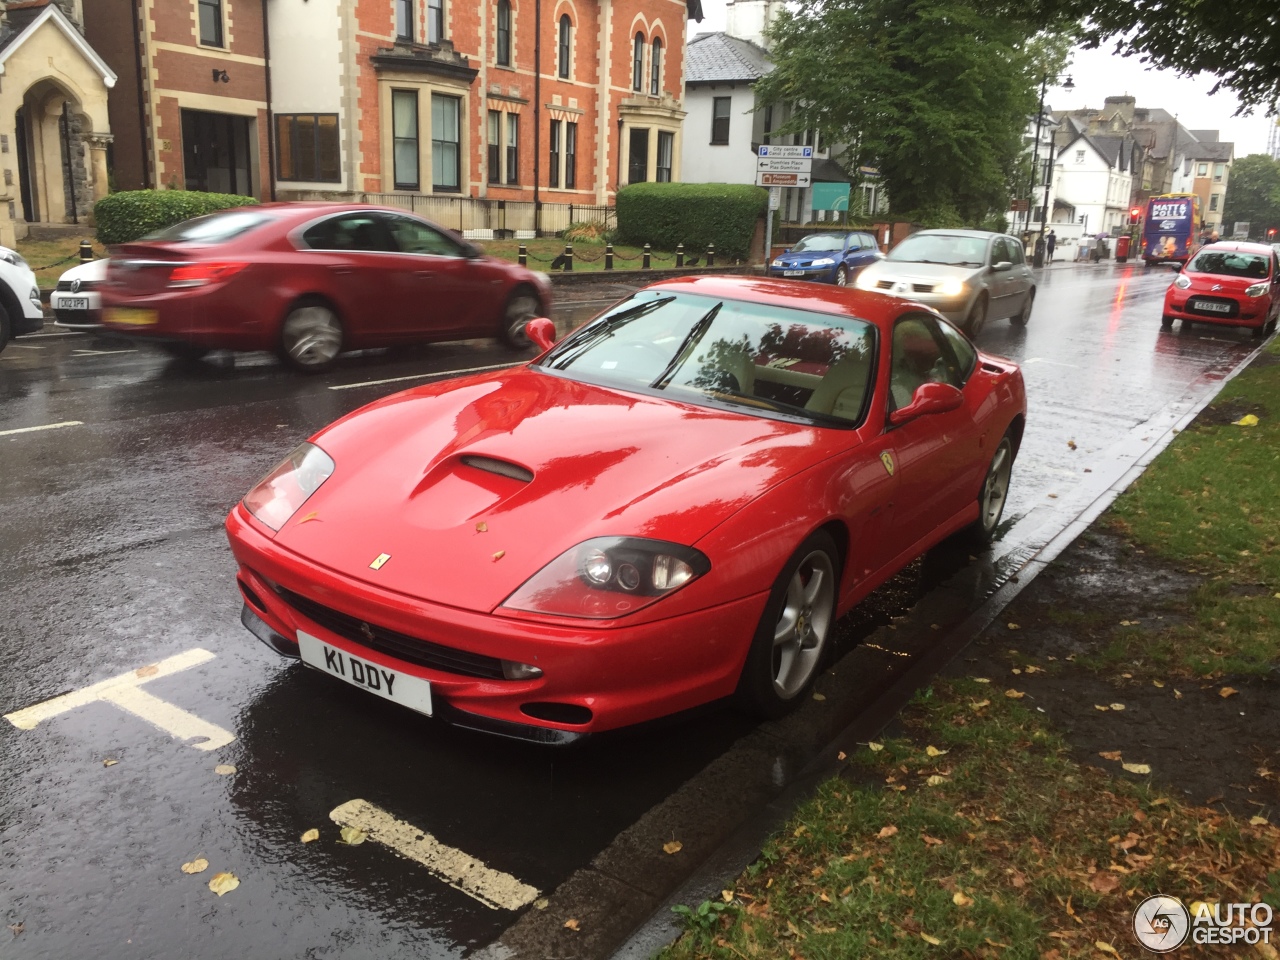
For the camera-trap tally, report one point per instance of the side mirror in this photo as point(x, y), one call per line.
point(542, 332)
point(787, 250)
point(1001, 267)
point(929, 398)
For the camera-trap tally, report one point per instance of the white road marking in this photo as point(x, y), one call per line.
point(1056, 363)
point(98, 353)
point(422, 376)
point(494, 889)
point(123, 691)
point(46, 336)
point(47, 426)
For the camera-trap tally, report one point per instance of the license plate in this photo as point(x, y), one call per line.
point(793, 273)
point(402, 688)
point(74, 303)
point(1213, 307)
point(132, 317)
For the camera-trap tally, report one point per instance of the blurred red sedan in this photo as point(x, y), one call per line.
point(1229, 283)
point(670, 506)
point(309, 281)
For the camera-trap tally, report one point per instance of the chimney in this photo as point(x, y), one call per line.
point(1122, 105)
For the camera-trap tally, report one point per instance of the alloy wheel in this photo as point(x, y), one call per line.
point(803, 624)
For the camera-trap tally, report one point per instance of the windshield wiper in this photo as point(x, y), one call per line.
point(687, 345)
point(593, 335)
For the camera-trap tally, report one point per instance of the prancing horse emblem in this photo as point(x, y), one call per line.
point(379, 560)
point(887, 459)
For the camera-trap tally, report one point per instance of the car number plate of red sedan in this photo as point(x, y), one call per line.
point(402, 688)
point(132, 317)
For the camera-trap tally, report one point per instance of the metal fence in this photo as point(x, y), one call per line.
point(483, 219)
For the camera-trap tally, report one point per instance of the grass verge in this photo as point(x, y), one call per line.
point(43, 254)
point(975, 835)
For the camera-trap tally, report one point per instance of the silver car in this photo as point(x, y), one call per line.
point(969, 276)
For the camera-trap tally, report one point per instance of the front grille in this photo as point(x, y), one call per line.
point(922, 288)
point(65, 285)
point(884, 284)
point(1196, 305)
point(424, 653)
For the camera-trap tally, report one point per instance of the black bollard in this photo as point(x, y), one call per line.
point(711, 254)
point(86, 251)
point(524, 255)
point(645, 264)
point(568, 256)
point(679, 254)
point(608, 256)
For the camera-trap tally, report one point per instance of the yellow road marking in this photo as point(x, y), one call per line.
point(123, 691)
point(459, 870)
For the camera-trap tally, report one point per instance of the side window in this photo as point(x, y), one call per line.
point(869, 242)
point(1016, 255)
point(348, 231)
point(414, 236)
point(919, 357)
point(854, 243)
point(966, 356)
point(1000, 251)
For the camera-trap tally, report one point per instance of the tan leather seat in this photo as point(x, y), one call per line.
point(843, 389)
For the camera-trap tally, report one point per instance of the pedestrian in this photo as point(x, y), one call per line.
point(1049, 243)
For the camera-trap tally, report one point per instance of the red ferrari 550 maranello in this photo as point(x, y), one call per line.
point(670, 506)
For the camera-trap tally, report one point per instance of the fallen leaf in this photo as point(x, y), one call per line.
point(1248, 420)
point(482, 527)
point(223, 883)
point(16, 929)
point(1013, 626)
point(1016, 671)
point(1109, 754)
point(110, 762)
point(1032, 668)
point(571, 924)
point(672, 846)
point(1105, 947)
point(148, 671)
point(1101, 706)
point(310, 835)
point(1157, 683)
point(541, 903)
point(1104, 882)
point(1071, 444)
point(310, 516)
point(979, 704)
point(224, 769)
point(199, 865)
point(1053, 496)
point(818, 696)
point(960, 900)
point(352, 835)
point(726, 896)
point(1177, 694)
point(1227, 692)
point(981, 680)
point(886, 832)
point(841, 755)
point(1136, 767)
point(936, 780)
point(498, 556)
point(928, 939)
point(1014, 694)
point(875, 747)
point(930, 841)
point(934, 751)
point(1259, 821)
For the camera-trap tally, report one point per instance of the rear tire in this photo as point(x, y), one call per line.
point(1020, 319)
point(522, 306)
point(791, 640)
point(311, 336)
point(977, 318)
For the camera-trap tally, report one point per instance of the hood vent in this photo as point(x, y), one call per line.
point(502, 468)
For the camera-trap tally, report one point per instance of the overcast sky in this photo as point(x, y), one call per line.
point(1099, 74)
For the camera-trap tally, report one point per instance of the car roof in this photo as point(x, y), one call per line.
point(961, 232)
point(1239, 246)
point(865, 305)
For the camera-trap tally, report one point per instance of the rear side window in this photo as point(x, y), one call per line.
point(212, 228)
point(349, 231)
point(1016, 255)
point(966, 355)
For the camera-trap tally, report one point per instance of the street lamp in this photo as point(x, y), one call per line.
point(1067, 84)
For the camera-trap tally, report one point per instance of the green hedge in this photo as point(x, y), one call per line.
point(695, 214)
point(122, 217)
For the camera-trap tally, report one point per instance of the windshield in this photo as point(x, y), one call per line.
point(212, 228)
point(764, 360)
point(1229, 263)
point(945, 248)
point(820, 241)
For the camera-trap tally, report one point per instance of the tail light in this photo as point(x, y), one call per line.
point(204, 273)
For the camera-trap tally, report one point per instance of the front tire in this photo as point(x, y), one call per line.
point(521, 307)
point(842, 276)
point(311, 336)
point(6, 329)
point(791, 639)
point(977, 318)
point(1166, 322)
point(1020, 319)
point(180, 350)
point(994, 493)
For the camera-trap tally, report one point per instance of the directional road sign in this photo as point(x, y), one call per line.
point(764, 179)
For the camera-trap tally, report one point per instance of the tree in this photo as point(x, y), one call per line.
point(1253, 194)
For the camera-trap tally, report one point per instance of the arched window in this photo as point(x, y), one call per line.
point(637, 66)
point(655, 68)
point(503, 52)
point(566, 32)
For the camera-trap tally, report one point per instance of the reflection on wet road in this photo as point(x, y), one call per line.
point(110, 535)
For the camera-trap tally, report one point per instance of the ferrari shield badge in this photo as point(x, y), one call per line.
point(887, 459)
point(382, 558)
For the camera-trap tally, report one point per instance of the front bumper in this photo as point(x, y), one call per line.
point(1249, 312)
point(606, 677)
point(818, 274)
point(69, 312)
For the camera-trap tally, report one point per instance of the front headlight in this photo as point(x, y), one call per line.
point(778, 263)
point(824, 262)
point(950, 287)
point(278, 495)
point(12, 256)
point(609, 577)
point(865, 281)
point(1258, 290)
point(1181, 281)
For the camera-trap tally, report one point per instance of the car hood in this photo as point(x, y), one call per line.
point(472, 486)
point(1206, 282)
point(805, 256)
point(908, 270)
point(95, 270)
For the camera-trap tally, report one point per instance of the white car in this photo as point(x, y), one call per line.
point(77, 302)
point(20, 308)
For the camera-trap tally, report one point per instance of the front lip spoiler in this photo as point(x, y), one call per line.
point(443, 710)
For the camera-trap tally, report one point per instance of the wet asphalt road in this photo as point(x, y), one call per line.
point(114, 559)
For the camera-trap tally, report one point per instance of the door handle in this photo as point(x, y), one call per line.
point(340, 268)
point(424, 274)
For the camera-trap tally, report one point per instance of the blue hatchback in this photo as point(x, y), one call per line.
point(827, 257)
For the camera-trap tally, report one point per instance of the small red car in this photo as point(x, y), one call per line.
point(1229, 283)
point(311, 280)
point(671, 506)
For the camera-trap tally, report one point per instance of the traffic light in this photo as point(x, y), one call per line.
point(1271, 233)
point(1135, 214)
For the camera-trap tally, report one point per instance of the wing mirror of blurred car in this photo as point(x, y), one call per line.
point(473, 251)
point(929, 398)
point(1001, 267)
point(787, 250)
point(542, 332)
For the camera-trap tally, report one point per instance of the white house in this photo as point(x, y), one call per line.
point(1094, 174)
point(1028, 221)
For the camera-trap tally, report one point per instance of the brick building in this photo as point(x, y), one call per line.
point(519, 100)
point(190, 108)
